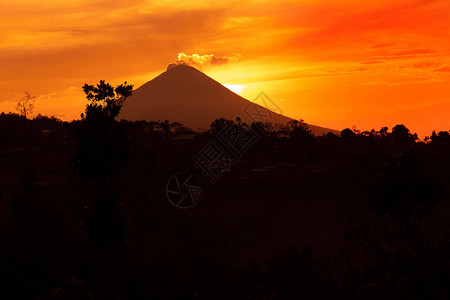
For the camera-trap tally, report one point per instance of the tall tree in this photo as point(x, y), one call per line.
point(101, 155)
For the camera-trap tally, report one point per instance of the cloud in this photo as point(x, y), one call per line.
point(372, 62)
point(382, 46)
point(404, 54)
point(202, 61)
point(444, 69)
point(427, 64)
point(413, 52)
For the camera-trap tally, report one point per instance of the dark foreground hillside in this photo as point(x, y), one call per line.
point(363, 215)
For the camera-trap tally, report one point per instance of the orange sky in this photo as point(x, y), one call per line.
point(332, 63)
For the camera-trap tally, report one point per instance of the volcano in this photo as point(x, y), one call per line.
point(185, 95)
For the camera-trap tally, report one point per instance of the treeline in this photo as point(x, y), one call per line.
point(12, 125)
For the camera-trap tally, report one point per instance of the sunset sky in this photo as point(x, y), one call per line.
point(333, 63)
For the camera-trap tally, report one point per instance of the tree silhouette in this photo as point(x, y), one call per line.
point(101, 155)
point(26, 105)
point(298, 130)
point(105, 101)
point(167, 128)
point(347, 133)
point(218, 124)
point(103, 145)
point(402, 136)
point(443, 137)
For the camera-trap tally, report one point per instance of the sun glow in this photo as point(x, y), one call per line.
point(236, 88)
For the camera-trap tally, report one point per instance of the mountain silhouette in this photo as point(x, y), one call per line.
point(188, 96)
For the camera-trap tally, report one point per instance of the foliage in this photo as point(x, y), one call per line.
point(103, 145)
point(105, 101)
point(402, 136)
point(218, 124)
